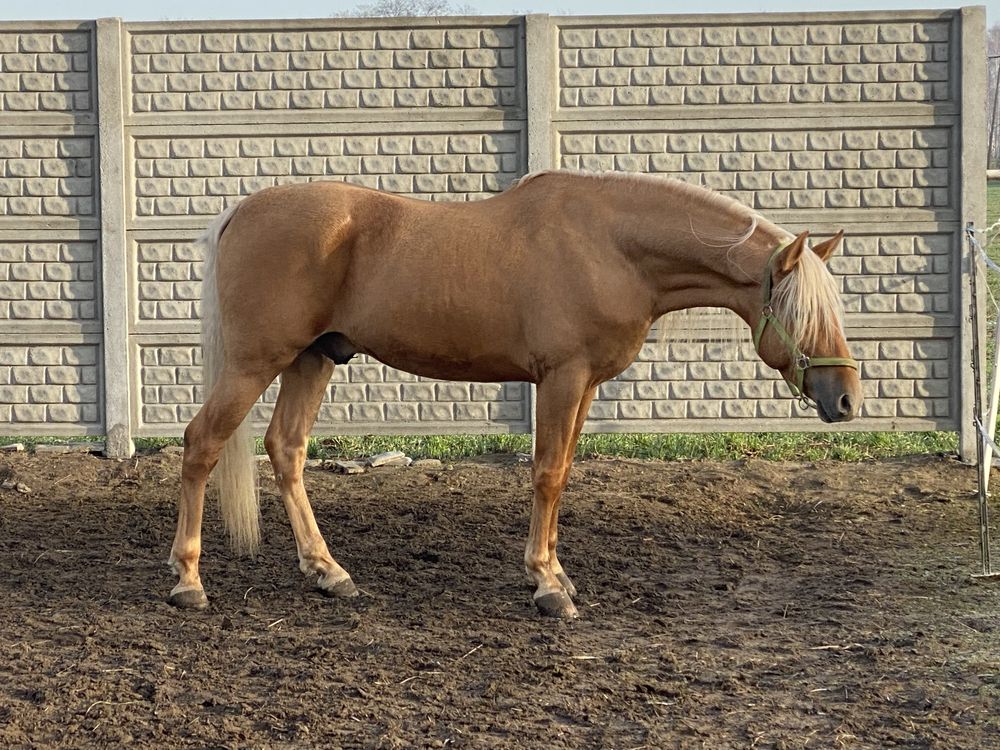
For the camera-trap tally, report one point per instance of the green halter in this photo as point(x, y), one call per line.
point(801, 362)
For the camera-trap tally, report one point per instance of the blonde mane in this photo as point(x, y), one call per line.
point(808, 303)
point(684, 190)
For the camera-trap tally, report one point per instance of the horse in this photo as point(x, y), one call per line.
point(555, 281)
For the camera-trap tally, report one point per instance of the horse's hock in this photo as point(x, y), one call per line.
point(120, 141)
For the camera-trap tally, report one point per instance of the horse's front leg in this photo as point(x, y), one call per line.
point(560, 398)
point(581, 416)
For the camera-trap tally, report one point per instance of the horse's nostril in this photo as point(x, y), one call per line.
point(845, 405)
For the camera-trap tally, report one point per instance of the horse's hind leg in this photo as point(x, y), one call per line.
point(303, 384)
point(204, 438)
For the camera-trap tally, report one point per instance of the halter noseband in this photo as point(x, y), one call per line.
point(800, 361)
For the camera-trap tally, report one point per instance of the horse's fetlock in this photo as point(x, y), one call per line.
point(184, 555)
point(308, 566)
point(311, 562)
point(535, 564)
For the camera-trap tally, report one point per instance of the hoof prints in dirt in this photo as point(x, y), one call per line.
point(721, 605)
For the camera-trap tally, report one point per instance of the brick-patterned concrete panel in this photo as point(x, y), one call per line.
point(798, 63)
point(884, 167)
point(168, 277)
point(45, 72)
point(48, 385)
point(169, 383)
point(875, 124)
point(694, 381)
point(50, 288)
point(364, 395)
point(184, 176)
point(46, 176)
point(896, 273)
point(810, 119)
point(324, 69)
point(52, 281)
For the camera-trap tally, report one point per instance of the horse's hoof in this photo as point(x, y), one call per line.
point(557, 604)
point(342, 588)
point(567, 584)
point(189, 599)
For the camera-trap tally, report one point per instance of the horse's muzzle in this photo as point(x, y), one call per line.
point(844, 410)
point(837, 394)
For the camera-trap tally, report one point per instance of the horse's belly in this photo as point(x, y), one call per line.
point(448, 366)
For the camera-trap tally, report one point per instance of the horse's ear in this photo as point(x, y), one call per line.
point(826, 249)
point(791, 254)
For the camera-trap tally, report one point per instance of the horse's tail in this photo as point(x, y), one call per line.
point(236, 472)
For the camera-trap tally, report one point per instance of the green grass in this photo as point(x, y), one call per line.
point(992, 201)
point(993, 248)
point(992, 278)
point(31, 442)
point(845, 446)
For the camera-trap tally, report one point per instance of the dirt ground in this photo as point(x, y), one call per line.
point(723, 605)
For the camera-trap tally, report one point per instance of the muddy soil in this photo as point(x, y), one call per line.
point(723, 605)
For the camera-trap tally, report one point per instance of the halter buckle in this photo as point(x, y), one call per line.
point(803, 361)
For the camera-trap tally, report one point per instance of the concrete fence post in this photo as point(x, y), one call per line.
point(113, 253)
point(973, 194)
point(540, 83)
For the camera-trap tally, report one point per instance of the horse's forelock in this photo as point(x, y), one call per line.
point(808, 303)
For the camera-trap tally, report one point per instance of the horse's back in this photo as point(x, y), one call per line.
point(448, 290)
point(385, 271)
point(328, 216)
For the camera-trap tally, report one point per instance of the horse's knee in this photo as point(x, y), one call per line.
point(548, 480)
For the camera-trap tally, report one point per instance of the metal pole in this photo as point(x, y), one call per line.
point(991, 415)
point(984, 510)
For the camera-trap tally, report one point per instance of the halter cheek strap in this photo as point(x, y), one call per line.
point(800, 361)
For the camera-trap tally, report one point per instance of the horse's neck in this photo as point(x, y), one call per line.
point(691, 253)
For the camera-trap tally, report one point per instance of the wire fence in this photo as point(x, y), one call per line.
point(986, 369)
point(993, 108)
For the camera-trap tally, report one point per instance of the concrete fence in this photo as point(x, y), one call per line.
point(119, 141)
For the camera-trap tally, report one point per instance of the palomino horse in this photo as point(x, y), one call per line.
point(555, 282)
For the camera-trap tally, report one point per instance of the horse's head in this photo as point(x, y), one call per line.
point(799, 329)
